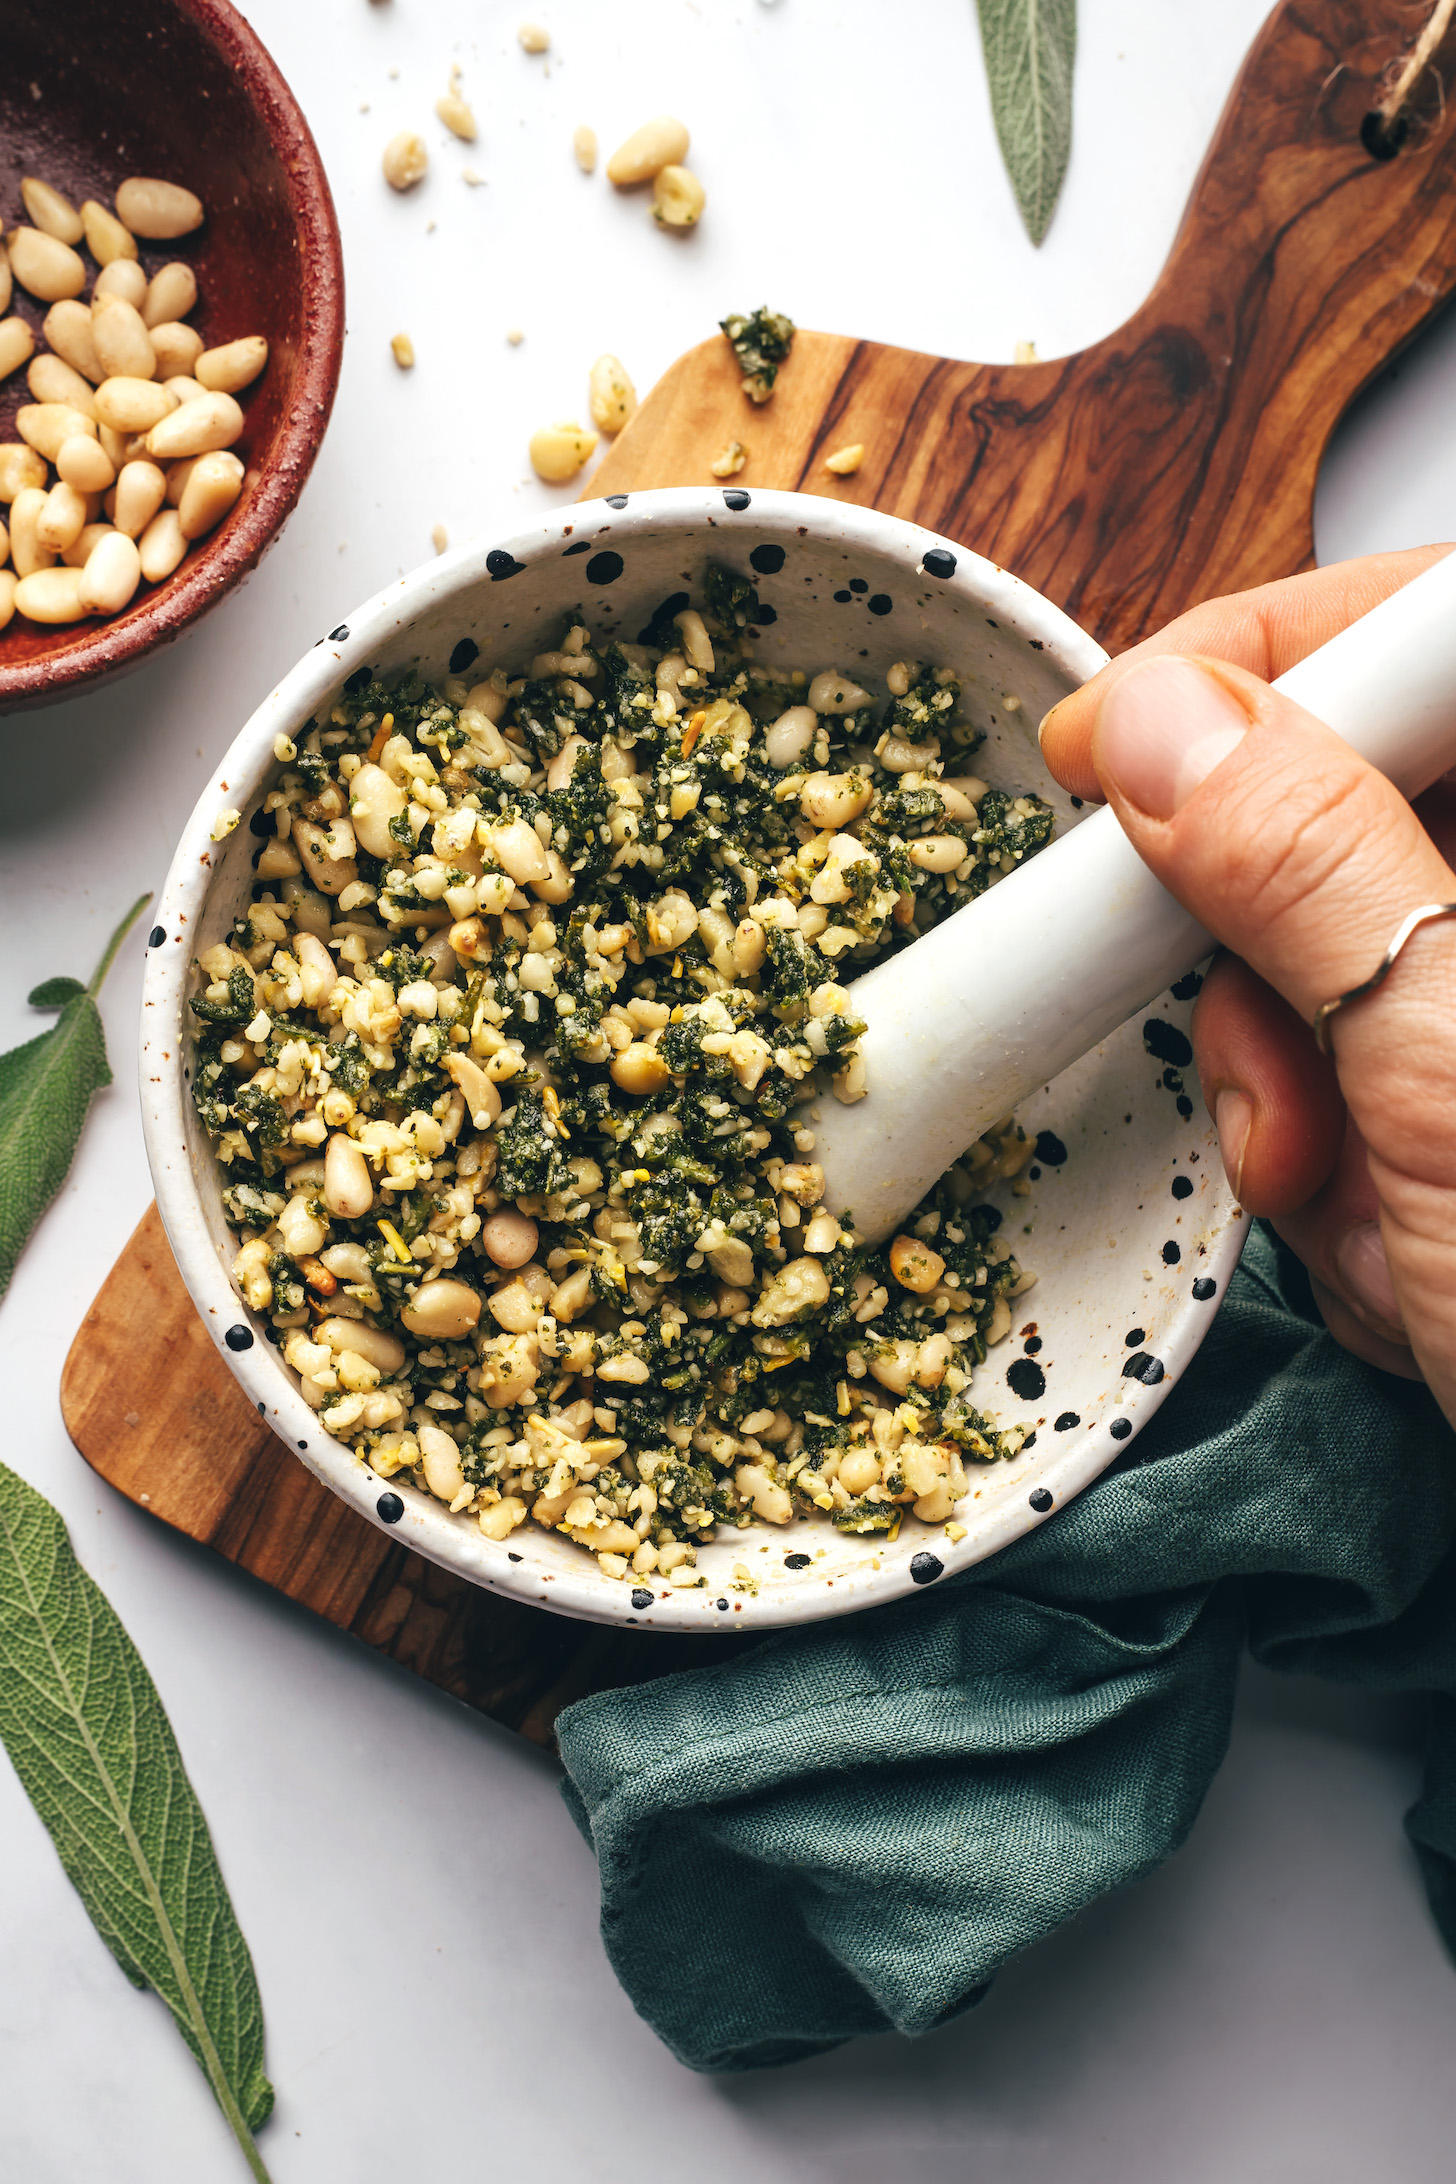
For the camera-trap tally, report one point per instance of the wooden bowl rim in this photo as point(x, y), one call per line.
point(109, 649)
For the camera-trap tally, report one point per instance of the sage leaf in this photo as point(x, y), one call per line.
point(85, 1728)
point(1030, 47)
point(45, 1090)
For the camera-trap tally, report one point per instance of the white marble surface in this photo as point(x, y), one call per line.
point(1274, 2005)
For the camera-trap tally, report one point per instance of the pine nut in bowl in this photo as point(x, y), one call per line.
point(171, 326)
point(480, 1099)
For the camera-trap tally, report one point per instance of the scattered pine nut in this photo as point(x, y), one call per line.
point(1025, 353)
point(678, 198)
point(515, 336)
point(661, 142)
point(404, 352)
point(468, 174)
point(439, 538)
point(454, 111)
point(557, 452)
point(845, 460)
point(613, 396)
point(405, 160)
point(584, 144)
point(533, 38)
point(731, 461)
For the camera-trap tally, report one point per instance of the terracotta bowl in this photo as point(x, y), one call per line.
point(180, 89)
point(1134, 1233)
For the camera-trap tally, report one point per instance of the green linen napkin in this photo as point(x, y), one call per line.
point(851, 1827)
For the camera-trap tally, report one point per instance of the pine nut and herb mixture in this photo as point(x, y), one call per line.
point(513, 1065)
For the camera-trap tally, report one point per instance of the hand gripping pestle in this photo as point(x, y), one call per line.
point(1010, 991)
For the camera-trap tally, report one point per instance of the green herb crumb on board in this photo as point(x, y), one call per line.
point(761, 341)
point(79, 1715)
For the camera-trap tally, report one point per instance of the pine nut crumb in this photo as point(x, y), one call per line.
point(515, 336)
point(404, 352)
point(845, 460)
point(731, 461)
point(439, 538)
point(533, 38)
point(468, 174)
point(584, 144)
point(405, 160)
point(1026, 353)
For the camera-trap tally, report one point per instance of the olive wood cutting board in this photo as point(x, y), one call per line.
point(1172, 461)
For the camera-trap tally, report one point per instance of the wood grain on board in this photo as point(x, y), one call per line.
point(1172, 461)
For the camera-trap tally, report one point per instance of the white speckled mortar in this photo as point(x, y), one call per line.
point(1114, 1247)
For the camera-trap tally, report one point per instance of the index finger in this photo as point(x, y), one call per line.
point(1265, 630)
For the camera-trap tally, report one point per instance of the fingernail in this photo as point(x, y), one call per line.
point(1162, 729)
point(1233, 1112)
point(1365, 1272)
point(1047, 718)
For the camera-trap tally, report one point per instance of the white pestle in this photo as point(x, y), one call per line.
point(1002, 997)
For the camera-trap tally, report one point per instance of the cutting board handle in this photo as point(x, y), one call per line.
point(1177, 458)
point(1303, 264)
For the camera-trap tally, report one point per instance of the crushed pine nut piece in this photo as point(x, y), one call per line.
point(731, 461)
point(455, 112)
point(404, 352)
point(1026, 353)
point(223, 824)
point(405, 160)
point(584, 144)
point(845, 460)
point(678, 198)
point(558, 451)
point(439, 538)
point(533, 38)
point(515, 336)
point(613, 396)
point(468, 174)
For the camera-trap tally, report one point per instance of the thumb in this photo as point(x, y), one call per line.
point(1303, 860)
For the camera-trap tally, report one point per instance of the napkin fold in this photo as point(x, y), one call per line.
point(852, 1826)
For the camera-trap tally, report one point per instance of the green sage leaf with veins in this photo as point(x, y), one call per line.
point(82, 1721)
point(1030, 46)
point(45, 1090)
